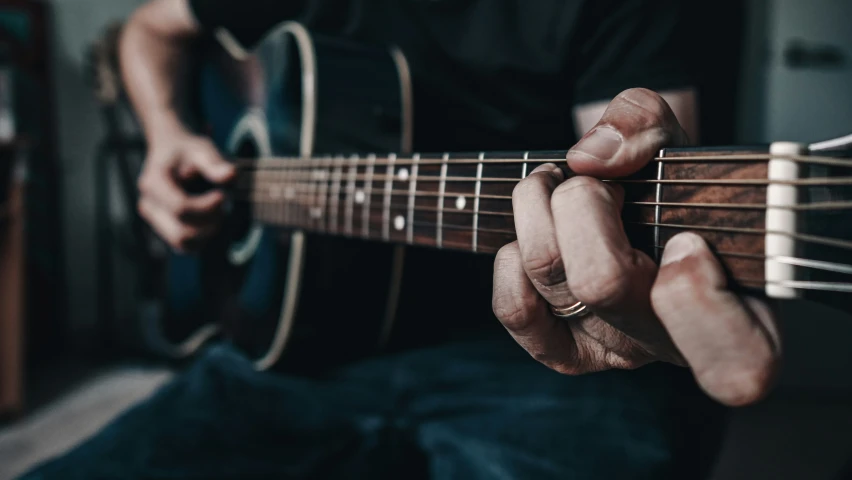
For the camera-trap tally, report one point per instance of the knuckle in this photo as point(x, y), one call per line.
point(510, 307)
point(562, 368)
point(630, 361)
point(533, 184)
point(506, 256)
point(515, 312)
point(201, 148)
point(182, 208)
point(678, 283)
point(568, 191)
point(143, 184)
point(605, 286)
point(652, 104)
point(545, 265)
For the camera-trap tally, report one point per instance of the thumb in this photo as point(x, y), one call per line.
point(634, 127)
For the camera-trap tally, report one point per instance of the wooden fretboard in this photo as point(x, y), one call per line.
point(455, 202)
point(464, 201)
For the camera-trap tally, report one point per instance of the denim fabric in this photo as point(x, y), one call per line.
point(470, 410)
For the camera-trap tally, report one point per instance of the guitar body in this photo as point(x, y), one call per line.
point(301, 301)
point(288, 299)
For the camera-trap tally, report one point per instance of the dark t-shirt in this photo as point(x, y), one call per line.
point(493, 74)
point(488, 75)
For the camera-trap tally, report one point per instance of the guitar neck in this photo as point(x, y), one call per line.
point(464, 201)
point(460, 202)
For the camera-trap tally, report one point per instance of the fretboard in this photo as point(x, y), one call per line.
point(464, 201)
point(461, 202)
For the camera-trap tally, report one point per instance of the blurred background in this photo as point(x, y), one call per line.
point(75, 296)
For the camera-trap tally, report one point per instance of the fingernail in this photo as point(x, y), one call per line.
point(681, 246)
point(550, 167)
point(602, 144)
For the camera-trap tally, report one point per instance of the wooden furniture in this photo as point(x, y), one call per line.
point(12, 281)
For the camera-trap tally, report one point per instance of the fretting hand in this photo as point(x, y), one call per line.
point(572, 248)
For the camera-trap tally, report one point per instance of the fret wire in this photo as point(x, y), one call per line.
point(323, 177)
point(441, 190)
point(350, 193)
point(368, 190)
point(412, 190)
point(524, 169)
point(477, 190)
point(657, 209)
point(387, 199)
point(336, 175)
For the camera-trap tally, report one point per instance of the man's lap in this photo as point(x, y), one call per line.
point(474, 410)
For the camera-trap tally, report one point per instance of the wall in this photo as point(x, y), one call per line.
point(823, 96)
point(76, 24)
point(806, 105)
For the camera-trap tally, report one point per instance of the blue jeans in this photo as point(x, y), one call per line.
point(469, 410)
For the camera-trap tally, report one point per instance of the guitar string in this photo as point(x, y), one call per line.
point(837, 205)
point(833, 287)
point(817, 239)
point(287, 162)
point(818, 206)
point(721, 159)
point(800, 262)
point(800, 285)
point(813, 182)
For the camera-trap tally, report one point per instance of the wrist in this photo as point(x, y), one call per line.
point(163, 129)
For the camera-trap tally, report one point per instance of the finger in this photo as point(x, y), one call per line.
point(158, 186)
point(731, 345)
point(203, 157)
point(634, 127)
point(526, 316)
point(602, 269)
point(537, 234)
point(180, 236)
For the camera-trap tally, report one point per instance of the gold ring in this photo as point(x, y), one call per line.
point(576, 310)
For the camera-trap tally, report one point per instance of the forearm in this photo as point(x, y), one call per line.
point(153, 51)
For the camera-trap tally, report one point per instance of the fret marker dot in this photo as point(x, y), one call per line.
point(289, 193)
point(460, 203)
point(316, 212)
point(360, 197)
point(399, 222)
point(403, 174)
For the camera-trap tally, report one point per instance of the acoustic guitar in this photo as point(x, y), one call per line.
point(319, 201)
